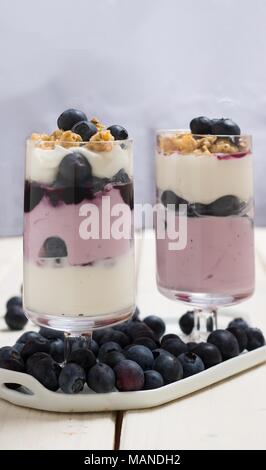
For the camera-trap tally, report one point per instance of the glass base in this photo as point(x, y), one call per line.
point(203, 300)
point(79, 325)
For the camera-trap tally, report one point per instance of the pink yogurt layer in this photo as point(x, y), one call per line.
point(63, 221)
point(218, 258)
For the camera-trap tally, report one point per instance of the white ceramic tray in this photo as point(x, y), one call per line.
point(43, 399)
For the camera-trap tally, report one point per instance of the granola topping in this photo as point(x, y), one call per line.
point(187, 143)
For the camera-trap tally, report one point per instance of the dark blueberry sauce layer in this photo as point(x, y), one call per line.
point(221, 207)
point(76, 193)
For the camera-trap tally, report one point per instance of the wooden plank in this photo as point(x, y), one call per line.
point(221, 416)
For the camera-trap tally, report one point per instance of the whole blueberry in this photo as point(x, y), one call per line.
point(175, 346)
point(112, 358)
point(28, 336)
point(42, 366)
point(116, 336)
point(140, 354)
point(139, 329)
point(201, 125)
point(81, 354)
point(225, 342)
point(49, 333)
point(15, 318)
point(118, 132)
point(107, 348)
point(34, 345)
point(14, 301)
point(11, 359)
point(156, 324)
point(69, 118)
point(158, 351)
point(186, 322)
point(72, 378)
point(54, 247)
point(85, 129)
point(209, 353)
point(225, 127)
point(74, 169)
point(255, 338)
point(101, 378)
point(169, 367)
point(129, 376)
point(192, 364)
point(148, 342)
point(241, 336)
point(169, 336)
point(94, 347)
point(152, 379)
point(239, 323)
point(57, 349)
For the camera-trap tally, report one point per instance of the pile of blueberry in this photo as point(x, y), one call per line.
point(204, 125)
point(77, 121)
point(135, 355)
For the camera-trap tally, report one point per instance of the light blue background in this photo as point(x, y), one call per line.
point(142, 63)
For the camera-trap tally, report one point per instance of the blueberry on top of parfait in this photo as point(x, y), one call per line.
point(69, 118)
point(118, 132)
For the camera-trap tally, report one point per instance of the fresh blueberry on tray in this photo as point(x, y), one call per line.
point(57, 349)
point(192, 364)
point(255, 338)
point(186, 322)
point(85, 129)
point(241, 336)
point(72, 378)
point(49, 333)
point(116, 336)
point(139, 329)
point(28, 336)
point(169, 367)
point(69, 118)
point(169, 336)
point(81, 355)
point(42, 366)
point(239, 323)
point(106, 348)
point(101, 378)
point(156, 324)
point(141, 355)
point(152, 379)
point(118, 132)
point(146, 341)
point(209, 354)
point(201, 125)
point(34, 345)
point(112, 358)
point(15, 318)
point(175, 346)
point(129, 376)
point(11, 359)
point(225, 342)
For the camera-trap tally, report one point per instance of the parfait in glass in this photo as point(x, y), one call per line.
point(207, 170)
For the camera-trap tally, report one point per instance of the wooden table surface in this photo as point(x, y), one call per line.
point(228, 415)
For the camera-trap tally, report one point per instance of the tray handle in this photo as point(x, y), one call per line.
point(35, 390)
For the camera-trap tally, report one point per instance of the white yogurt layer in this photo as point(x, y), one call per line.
point(42, 164)
point(204, 178)
point(103, 288)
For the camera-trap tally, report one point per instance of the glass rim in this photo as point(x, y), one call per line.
point(78, 143)
point(188, 131)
